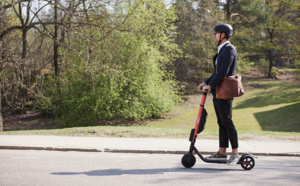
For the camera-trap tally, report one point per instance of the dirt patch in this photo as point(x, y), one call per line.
point(34, 120)
point(30, 120)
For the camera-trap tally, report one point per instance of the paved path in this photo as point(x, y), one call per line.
point(141, 145)
point(54, 168)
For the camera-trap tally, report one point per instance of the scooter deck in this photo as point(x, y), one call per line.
point(215, 161)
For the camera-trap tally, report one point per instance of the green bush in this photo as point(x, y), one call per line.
point(88, 97)
point(125, 76)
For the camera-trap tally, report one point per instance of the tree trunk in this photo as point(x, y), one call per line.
point(22, 89)
point(55, 47)
point(270, 68)
point(270, 53)
point(228, 9)
point(24, 46)
point(1, 119)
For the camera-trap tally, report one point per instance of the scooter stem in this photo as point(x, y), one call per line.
point(199, 115)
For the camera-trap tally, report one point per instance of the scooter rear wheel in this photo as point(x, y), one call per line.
point(248, 162)
point(188, 160)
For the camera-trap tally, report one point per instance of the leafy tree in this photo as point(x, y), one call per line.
point(195, 23)
point(196, 20)
point(266, 28)
point(247, 19)
point(280, 36)
point(6, 51)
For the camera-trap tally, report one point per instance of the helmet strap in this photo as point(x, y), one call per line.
point(220, 40)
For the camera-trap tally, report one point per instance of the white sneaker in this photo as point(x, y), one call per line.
point(233, 159)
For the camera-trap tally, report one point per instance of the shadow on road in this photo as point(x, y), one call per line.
point(118, 172)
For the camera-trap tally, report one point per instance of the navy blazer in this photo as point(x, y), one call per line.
point(226, 66)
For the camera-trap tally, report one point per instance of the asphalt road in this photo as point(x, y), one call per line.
point(30, 167)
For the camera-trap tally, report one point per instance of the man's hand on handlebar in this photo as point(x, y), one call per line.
point(199, 88)
point(203, 87)
point(206, 88)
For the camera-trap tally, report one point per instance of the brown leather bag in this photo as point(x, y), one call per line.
point(230, 87)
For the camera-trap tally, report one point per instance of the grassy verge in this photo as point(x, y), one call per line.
point(268, 110)
point(153, 132)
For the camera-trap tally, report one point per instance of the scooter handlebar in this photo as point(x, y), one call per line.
point(204, 89)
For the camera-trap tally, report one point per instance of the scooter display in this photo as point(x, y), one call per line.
point(188, 160)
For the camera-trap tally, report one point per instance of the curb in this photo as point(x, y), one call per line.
point(49, 148)
point(132, 151)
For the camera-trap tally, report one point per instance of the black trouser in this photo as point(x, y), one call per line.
point(227, 129)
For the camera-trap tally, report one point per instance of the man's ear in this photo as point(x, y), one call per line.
point(223, 35)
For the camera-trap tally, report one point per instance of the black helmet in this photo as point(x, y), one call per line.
point(224, 28)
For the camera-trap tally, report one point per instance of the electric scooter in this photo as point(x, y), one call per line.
point(188, 160)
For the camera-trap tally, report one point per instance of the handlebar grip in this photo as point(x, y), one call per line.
point(204, 89)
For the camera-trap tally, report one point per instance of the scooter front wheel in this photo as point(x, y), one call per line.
point(248, 162)
point(188, 160)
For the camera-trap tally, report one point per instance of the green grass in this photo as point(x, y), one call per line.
point(272, 107)
point(270, 110)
